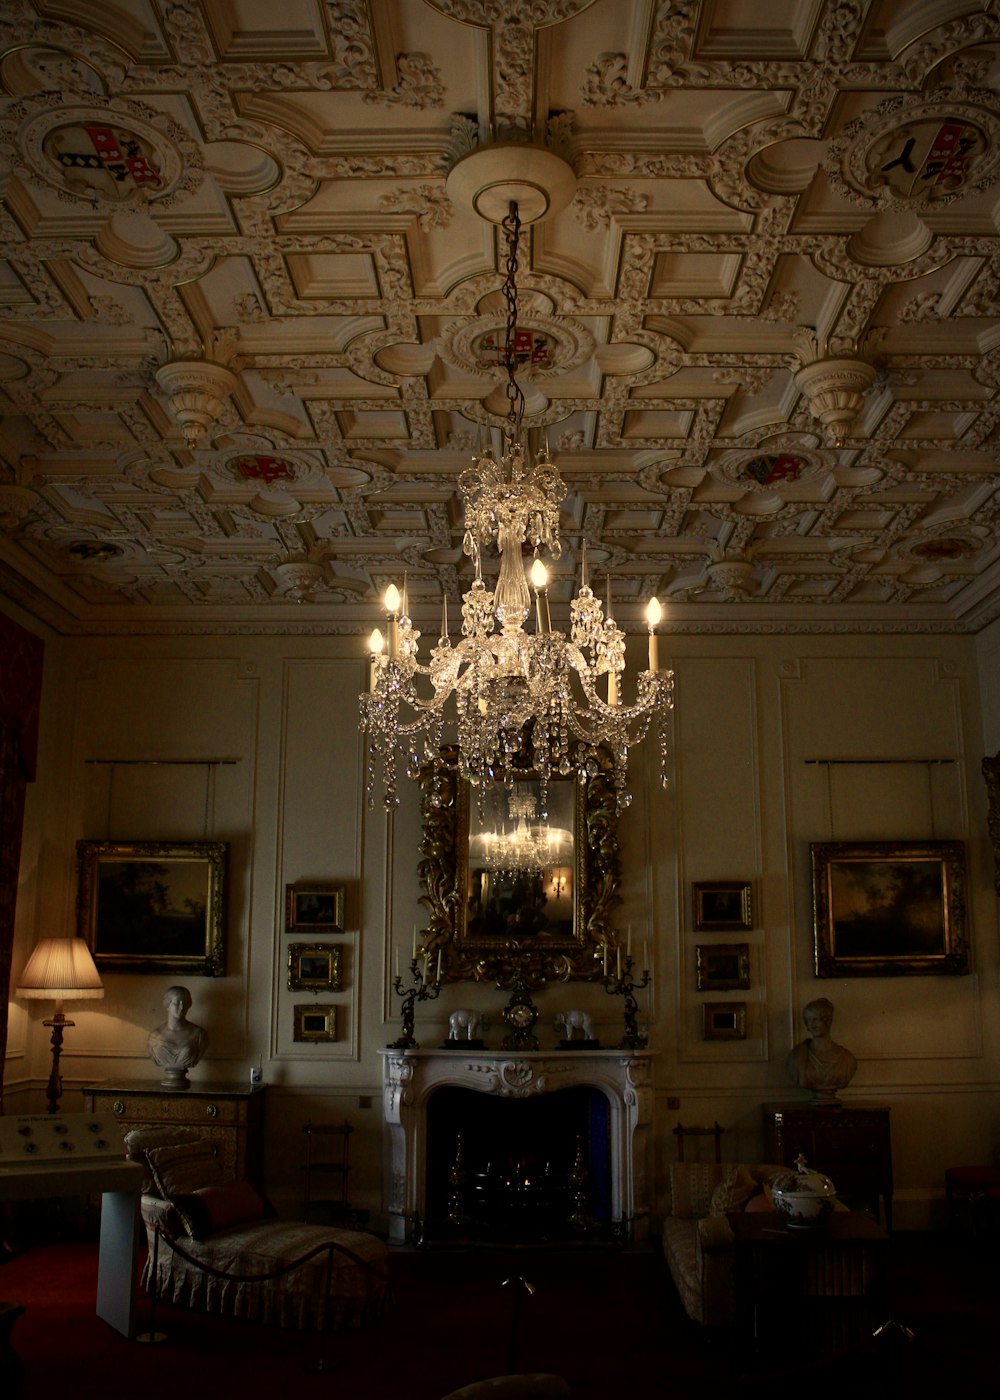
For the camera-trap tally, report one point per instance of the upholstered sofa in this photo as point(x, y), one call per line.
point(217, 1238)
point(697, 1238)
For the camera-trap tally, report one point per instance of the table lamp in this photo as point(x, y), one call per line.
point(59, 969)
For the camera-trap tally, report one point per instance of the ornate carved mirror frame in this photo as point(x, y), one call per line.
point(469, 954)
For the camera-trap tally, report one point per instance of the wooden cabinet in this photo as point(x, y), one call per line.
point(228, 1115)
point(809, 1293)
point(849, 1143)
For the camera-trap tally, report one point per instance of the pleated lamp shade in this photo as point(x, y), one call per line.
point(60, 969)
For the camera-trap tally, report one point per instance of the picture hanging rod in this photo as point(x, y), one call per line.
point(158, 762)
point(837, 762)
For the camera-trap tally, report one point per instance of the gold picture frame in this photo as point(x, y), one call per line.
point(314, 967)
point(889, 908)
point(314, 909)
point(722, 967)
point(153, 906)
point(722, 906)
point(724, 1020)
point(314, 1023)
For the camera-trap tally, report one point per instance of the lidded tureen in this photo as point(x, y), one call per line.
point(803, 1198)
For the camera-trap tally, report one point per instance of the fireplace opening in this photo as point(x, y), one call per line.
point(518, 1170)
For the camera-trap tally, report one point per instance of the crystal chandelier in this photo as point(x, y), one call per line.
point(530, 847)
point(522, 700)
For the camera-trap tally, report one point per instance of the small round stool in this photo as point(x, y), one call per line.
point(964, 1188)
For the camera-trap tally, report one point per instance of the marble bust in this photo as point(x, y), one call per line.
point(178, 1044)
point(818, 1063)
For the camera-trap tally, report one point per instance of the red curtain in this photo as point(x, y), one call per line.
point(21, 655)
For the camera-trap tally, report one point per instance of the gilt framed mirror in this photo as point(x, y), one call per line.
point(504, 871)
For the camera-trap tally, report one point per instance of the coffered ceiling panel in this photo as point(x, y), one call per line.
point(249, 327)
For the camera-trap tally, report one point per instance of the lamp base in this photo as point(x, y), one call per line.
point(53, 1089)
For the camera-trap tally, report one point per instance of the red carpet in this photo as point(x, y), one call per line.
point(609, 1322)
point(450, 1322)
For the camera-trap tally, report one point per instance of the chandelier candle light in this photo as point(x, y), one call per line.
point(516, 704)
point(531, 845)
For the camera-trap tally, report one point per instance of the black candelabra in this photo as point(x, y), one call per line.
point(622, 984)
point(422, 990)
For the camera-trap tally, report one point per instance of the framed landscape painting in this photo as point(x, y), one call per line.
point(153, 906)
point(313, 967)
point(722, 967)
point(314, 909)
point(722, 905)
point(724, 1020)
point(889, 908)
point(314, 1023)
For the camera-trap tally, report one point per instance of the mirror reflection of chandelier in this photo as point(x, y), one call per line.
point(537, 700)
point(529, 847)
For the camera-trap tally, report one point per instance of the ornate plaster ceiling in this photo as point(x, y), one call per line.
point(245, 331)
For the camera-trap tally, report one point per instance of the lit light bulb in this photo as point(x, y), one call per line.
point(376, 644)
point(392, 602)
point(653, 615)
point(539, 575)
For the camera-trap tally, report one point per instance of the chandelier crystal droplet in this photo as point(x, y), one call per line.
point(522, 700)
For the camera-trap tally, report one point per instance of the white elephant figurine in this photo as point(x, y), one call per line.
point(575, 1021)
point(463, 1024)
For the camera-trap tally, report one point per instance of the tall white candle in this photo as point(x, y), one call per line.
point(392, 601)
point(414, 940)
point(396, 958)
point(653, 615)
point(539, 582)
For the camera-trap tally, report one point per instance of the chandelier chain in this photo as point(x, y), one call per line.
point(511, 226)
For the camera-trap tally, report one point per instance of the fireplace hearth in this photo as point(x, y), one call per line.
point(521, 1170)
point(517, 1147)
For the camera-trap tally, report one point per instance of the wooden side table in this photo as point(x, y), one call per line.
point(820, 1291)
point(229, 1115)
point(850, 1143)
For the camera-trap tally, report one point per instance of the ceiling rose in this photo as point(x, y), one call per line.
point(492, 178)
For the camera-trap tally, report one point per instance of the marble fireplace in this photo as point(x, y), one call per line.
point(606, 1094)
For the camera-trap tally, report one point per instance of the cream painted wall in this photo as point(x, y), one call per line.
point(757, 722)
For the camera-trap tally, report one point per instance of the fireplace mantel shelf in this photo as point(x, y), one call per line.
point(411, 1077)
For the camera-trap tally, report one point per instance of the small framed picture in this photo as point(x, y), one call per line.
point(725, 1020)
point(313, 967)
point(722, 904)
point(314, 909)
point(723, 967)
point(315, 1023)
